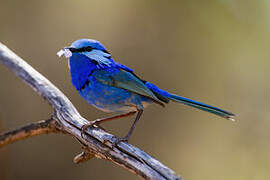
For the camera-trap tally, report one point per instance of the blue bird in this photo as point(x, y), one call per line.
point(113, 87)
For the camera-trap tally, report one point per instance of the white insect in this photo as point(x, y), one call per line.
point(66, 52)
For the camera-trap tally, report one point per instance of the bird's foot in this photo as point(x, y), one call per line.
point(90, 124)
point(121, 139)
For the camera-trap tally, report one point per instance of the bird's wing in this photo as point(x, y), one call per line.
point(125, 80)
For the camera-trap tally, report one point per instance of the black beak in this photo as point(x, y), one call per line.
point(71, 49)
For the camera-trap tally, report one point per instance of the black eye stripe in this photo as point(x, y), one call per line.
point(86, 49)
point(104, 50)
point(83, 49)
point(94, 61)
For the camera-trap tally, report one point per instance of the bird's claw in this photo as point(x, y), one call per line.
point(85, 126)
point(118, 140)
point(90, 124)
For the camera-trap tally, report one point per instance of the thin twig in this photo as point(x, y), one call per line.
point(95, 140)
point(29, 130)
point(83, 156)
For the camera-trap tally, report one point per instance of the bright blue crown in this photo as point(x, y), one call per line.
point(88, 42)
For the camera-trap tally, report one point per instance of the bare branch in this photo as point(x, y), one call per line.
point(33, 129)
point(96, 140)
point(83, 156)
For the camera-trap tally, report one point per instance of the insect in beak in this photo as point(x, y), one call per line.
point(66, 51)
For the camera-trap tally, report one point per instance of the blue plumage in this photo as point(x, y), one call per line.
point(113, 87)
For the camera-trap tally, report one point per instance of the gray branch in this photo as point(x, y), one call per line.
point(96, 142)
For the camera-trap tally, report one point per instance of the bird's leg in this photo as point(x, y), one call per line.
point(126, 138)
point(98, 121)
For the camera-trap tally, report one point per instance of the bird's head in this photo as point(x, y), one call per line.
point(92, 49)
point(85, 55)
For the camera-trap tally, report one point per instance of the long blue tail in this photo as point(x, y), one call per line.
point(165, 97)
point(202, 106)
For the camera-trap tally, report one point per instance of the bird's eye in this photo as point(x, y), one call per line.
point(88, 48)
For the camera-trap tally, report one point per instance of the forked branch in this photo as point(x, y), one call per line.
point(96, 142)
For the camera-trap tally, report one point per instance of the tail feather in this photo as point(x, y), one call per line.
point(165, 97)
point(202, 106)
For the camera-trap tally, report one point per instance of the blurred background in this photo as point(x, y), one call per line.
point(216, 52)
